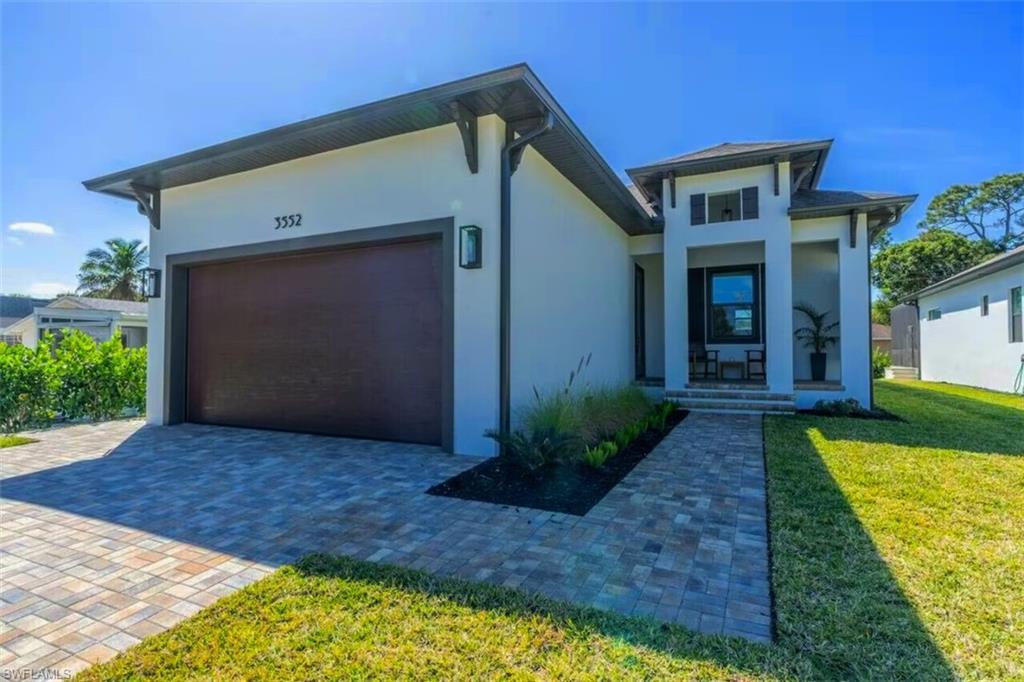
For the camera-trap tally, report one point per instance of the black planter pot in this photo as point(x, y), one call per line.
point(818, 362)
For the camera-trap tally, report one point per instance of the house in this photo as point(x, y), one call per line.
point(13, 309)
point(881, 337)
point(971, 325)
point(98, 317)
point(412, 268)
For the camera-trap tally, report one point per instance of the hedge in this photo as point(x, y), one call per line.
point(74, 378)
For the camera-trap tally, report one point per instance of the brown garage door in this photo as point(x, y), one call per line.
point(344, 342)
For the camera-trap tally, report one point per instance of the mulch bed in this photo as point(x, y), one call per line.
point(567, 488)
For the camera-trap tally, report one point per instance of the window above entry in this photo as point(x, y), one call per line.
point(723, 207)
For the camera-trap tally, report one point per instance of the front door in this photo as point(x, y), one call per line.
point(639, 323)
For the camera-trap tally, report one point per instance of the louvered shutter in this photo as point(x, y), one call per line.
point(698, 216)
point(749, 203)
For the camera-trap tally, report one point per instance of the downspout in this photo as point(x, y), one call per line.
point(511, 154)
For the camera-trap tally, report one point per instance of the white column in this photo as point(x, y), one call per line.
point(854, 314)
point(778, 257)
point(675, 296)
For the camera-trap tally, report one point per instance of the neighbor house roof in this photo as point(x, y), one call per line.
point(70, 302)
point(881, 332)
point(109, 304)
point(992, 265)
point(802, 154)
point(514, 93)
point(14, 308)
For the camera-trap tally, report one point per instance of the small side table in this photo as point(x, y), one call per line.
point(737, 365)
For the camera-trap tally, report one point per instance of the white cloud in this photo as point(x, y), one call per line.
point(49, 289)
point(17, 241)
point(32, 228)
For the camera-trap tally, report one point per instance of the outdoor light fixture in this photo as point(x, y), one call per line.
point(470, 246)
point(151, 282)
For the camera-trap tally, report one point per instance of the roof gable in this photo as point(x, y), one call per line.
point(515, 94)
point(802, 155)
point(106, 304)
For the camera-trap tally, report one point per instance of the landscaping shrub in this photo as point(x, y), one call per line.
point(604, 410)
point(595, 456)
point(580, 422)
point(556, 411)
point(880, 360)
point(531, 450)
point(75, 378)
point(28, 386)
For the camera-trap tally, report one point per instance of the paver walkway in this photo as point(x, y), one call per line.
point(112, 532)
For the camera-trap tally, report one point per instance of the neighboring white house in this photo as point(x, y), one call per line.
point(97, 317)
point(412, 268)
point(971, 325)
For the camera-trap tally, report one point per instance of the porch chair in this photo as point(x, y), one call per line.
point(703, 362)
point(756, 365)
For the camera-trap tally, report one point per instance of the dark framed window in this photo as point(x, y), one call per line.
point(934, 314)
point(724, 207)
point(984, 305)
point(1016, 316)
point(734, 304)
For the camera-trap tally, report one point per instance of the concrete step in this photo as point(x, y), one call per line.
point(901, 372)
point(728, 395)
point(722, 410)
point(726, 405)
point(727, 386)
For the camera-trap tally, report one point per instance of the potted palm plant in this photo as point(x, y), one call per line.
point(817, 336)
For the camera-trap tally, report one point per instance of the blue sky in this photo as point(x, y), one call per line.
point(917, 96)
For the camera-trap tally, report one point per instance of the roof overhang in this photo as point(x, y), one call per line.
point(993, 265)
point(881, 213)
point(514, 93)
point(804, 155)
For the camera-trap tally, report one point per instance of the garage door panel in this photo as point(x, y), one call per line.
point(343, 342)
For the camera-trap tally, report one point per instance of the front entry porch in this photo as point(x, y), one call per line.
point(734, 305)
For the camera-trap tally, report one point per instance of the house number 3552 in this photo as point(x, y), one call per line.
point(285, 221)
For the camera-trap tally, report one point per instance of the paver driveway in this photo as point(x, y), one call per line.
point(116, 531)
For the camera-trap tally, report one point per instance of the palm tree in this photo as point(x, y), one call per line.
point(114, 271)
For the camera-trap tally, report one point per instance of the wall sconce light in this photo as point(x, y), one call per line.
point(470, 247)
point(151, 283)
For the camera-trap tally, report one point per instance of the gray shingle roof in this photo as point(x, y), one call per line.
point(731, 149)
point(803, 155)
point(129, 307)
point(823, 198)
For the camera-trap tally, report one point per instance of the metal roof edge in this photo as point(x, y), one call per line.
point(993, 265)
point(740, 156)
point(282, 133)
point(611, 177)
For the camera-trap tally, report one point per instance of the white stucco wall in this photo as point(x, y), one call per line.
point(771, 228)
point(964, 347)
point(412, 177)
point(854, 306)
point(816, 282)
point(572, 282)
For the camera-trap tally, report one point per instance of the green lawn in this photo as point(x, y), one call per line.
point(897, 553)
point(11, 441)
